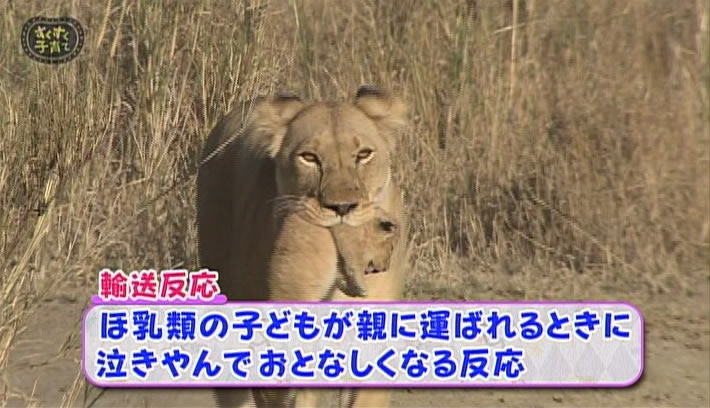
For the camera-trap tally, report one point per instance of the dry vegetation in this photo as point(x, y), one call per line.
point(558, 151)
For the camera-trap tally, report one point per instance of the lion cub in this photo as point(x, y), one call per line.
point(363, 250)
point(339, 257)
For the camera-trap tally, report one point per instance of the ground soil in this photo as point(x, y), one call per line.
point(677, 371)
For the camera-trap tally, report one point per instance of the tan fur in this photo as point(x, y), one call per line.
point(339, 263)
point(280, 158)
point(364, 250)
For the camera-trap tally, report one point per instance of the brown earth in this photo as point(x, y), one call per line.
point(677, 371)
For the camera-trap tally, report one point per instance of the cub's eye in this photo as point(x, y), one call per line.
point(388, 226)
point(364, 155)
point(308, 158)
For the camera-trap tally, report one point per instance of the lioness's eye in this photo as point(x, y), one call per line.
point(364, 155)
point(308, 158)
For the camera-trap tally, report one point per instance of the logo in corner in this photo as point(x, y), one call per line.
point(52, 40)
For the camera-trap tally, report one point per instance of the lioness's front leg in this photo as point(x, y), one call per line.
point(303, 267)
point(304, 263)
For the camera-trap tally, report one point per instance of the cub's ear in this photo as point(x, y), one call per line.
point(269, 119)
point(388, 111)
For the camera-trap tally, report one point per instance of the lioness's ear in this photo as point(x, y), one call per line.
point(387, 111)
point(270, 117)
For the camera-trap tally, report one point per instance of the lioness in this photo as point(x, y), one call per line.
point(326, 161)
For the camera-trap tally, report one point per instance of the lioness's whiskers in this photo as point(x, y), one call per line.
point(284, 205)
point(284, 197)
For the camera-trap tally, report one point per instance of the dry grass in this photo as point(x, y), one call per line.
point(563, 155)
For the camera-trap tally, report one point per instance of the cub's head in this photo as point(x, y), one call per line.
point(384, 240)
point(363, 250)
point(332, 159)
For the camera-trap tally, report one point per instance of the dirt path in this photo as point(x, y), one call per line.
point(677, 366)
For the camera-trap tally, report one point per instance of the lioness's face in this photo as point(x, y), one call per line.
point(334, 156)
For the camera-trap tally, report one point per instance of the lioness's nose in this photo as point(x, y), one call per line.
point(341, 208)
